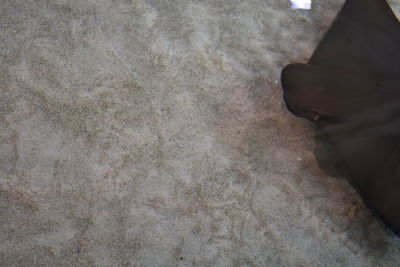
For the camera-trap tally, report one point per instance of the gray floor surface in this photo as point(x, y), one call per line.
point(153, 133)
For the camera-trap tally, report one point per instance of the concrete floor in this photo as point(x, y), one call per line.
point(153, 133)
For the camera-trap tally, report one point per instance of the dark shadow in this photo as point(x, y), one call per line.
point(327, 158)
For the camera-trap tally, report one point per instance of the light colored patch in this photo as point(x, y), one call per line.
point(301, 4)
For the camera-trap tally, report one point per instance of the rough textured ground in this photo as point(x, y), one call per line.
point(153, 133)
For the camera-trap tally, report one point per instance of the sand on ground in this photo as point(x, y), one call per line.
point(154, 133)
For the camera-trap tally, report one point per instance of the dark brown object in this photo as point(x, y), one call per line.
point(350, 88)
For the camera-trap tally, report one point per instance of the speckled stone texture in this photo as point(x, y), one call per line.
point(153, 133)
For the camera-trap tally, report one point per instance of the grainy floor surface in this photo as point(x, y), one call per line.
point(153, 133)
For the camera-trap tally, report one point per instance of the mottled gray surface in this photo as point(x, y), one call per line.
point(153, 133)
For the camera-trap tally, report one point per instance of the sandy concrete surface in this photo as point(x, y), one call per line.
point(153, 133)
